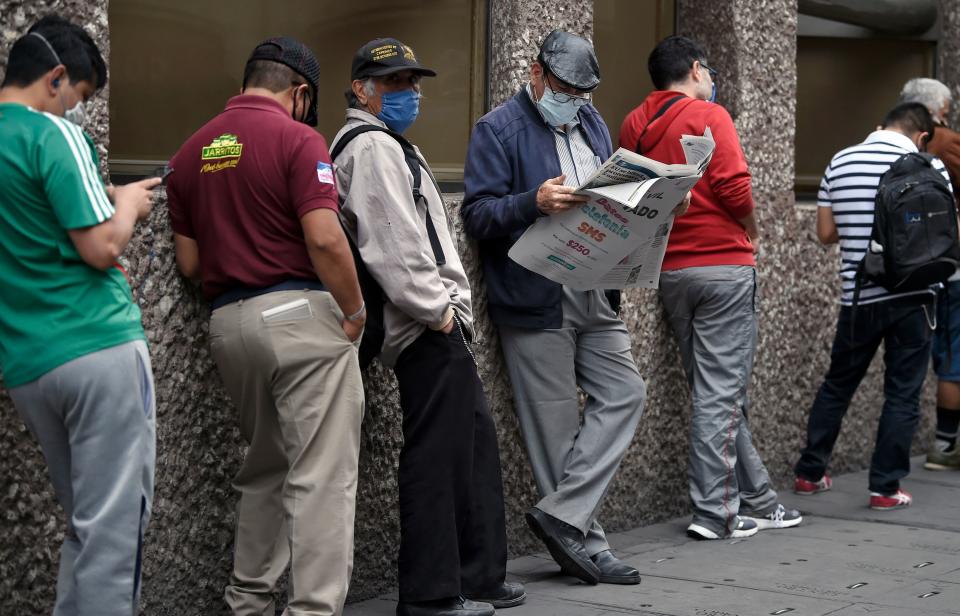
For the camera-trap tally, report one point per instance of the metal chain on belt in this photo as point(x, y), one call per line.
point(463, 337)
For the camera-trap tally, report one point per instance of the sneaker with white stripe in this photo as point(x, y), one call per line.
point(885, 502)
point(778, 517)
point(744, 527)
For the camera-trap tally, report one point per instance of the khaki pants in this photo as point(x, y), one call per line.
point(294, 378)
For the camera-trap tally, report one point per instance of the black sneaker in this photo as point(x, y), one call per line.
point(745, 527)
point(778, 517)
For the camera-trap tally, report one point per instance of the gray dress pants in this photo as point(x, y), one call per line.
point(713, 313)
point(574, 460)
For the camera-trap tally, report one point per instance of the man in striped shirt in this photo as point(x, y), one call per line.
point(902, 321)
point(72, 349)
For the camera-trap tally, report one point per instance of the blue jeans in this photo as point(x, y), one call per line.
point(946, 340)
point(902, 325)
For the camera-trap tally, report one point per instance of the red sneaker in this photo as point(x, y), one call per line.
point(897, 500)
point(805, 487)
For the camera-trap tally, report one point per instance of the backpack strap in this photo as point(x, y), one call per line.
point(858, 283)
point(413, 163)
point(663, 109)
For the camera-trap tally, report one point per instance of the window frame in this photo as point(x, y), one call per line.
point(450, 177)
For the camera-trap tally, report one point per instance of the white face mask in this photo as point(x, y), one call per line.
point(76, 114)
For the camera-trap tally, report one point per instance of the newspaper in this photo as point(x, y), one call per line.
point(619, 237)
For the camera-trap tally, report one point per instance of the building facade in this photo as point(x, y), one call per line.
point(188, 553)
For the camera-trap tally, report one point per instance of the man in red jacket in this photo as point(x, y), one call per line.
point(708, 286)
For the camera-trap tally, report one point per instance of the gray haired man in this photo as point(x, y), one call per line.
point(525, 160)
point(453, 545)
point(944, 455)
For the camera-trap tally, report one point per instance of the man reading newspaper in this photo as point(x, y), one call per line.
point(525, 161)
point(617, 238)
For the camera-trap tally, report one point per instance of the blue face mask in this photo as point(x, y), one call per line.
point(713, 94)
point(554, 112)
point(399, 109)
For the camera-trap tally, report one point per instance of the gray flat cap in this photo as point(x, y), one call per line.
point(571, 59)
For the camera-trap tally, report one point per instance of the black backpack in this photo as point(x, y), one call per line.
point(913, 243)
point(373, 332)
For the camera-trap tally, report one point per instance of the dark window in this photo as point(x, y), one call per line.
point(174, 65)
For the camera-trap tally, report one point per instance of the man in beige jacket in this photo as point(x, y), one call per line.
point(452, 539)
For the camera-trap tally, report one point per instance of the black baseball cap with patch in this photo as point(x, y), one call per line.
point(383, 56)
point(299, 59)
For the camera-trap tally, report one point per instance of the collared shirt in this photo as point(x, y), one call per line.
point(849, 188)
point(390, 230)
point(577, 160)
point(240, 186)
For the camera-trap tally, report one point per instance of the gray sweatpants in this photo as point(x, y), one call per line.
point(94, 418)
point(713, 313)
point(573, 462)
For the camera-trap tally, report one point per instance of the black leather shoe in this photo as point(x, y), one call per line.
point(613, 570)
point(508, 594)
point(565, 544)
point(455, 606)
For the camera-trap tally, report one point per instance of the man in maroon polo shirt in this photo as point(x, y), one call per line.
point(253, 206)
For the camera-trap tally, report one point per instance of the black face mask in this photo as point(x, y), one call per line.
point(304, 110)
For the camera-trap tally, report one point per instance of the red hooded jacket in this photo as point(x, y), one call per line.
point(708, 234)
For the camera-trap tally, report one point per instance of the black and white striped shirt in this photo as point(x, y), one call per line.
point(849, 187)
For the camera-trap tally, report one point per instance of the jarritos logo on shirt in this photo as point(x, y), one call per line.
point(225, 149)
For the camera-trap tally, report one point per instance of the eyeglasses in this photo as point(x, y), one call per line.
point(563, 97)
point(713, 73)
point(578, 101)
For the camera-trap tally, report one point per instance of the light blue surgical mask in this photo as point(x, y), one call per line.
point(399, 109)
point(555, 112)
point(713, 94)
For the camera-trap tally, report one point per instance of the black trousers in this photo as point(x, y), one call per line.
point(901, 324)
point(452, 535)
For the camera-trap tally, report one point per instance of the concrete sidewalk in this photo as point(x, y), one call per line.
point(843, 560)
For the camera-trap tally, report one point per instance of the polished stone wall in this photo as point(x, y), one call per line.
point(948, 53)
point(753, 44)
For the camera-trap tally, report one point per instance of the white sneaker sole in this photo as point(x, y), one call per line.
point(765, 524)
point(705, 533)
point(821, 491)
point(892, 507)
point(933, 466)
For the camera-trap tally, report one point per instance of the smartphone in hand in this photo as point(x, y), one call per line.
point(163, 173)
